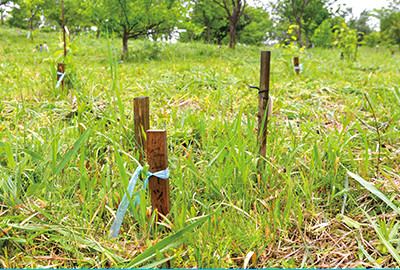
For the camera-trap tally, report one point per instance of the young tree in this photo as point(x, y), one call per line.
point(134, 18)
point(298, 8)
point(234, 10)
point(74, 20)
point(346, 39)
point(323, 35)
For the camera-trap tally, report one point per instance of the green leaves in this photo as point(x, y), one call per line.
point(374, 191)
point(168, 242)
point(9, 154)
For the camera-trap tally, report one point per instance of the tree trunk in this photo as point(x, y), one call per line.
point(98, 32)
point(2, 18)
point(208, 34)
point(232, 34)
point(308, 43)
point(124, 43)
point(191, 37)
point(300, 34)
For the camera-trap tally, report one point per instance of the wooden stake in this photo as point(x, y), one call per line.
point(341, 55)
point(157, 158)
point(61, 69)
point(263, 101)
point(296, 65)
point(63, 26)
point(142, 124)
point(392, 54)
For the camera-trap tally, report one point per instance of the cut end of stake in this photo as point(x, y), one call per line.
point(156, 131)
point(141, 98)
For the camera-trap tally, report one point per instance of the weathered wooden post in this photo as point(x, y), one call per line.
point(296, 65)
point(142, 124)
point(263, 100)
point(157, 158)
point(341, 55)
point(60, 71)
point(392, 54)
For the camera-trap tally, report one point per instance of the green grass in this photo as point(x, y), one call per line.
point(61, 178)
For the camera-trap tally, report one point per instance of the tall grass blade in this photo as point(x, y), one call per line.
point(389, 246)
point(9, 154)
point(374, 191)
point(168, 242)
point(68, 156)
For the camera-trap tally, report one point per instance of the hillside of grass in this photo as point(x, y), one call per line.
point(327, 197)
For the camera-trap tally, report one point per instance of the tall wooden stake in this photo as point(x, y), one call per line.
point(263, 100)
point(157, 158)
point(296, 65)
point(61, 69)
point(142, 124)
point(63, 26)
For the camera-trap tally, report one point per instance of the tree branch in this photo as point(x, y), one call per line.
point(224, 6)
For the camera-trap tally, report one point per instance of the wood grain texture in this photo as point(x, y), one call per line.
point(262, 102)
point(296, 64)
point(157, 158)
point(141, 109)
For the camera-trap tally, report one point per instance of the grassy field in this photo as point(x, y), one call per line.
point(328, 196)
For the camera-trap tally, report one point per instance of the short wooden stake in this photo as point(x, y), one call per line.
point(157, 158)
point(296, 65)
point(61, 69)
point(142, 124)
point(392, 54)
point(341, 55)
point(263, 101)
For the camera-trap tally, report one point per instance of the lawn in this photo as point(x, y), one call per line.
point(327, 194)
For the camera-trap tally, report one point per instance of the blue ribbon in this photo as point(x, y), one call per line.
point(123, 206)
point(60, 79)
point(300, 67)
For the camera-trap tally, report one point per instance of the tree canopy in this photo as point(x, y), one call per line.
point(211, 21)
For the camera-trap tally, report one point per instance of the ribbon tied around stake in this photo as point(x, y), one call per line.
point(123, 206)
point(300, 67)
point(260, 91)
point(60, 79)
